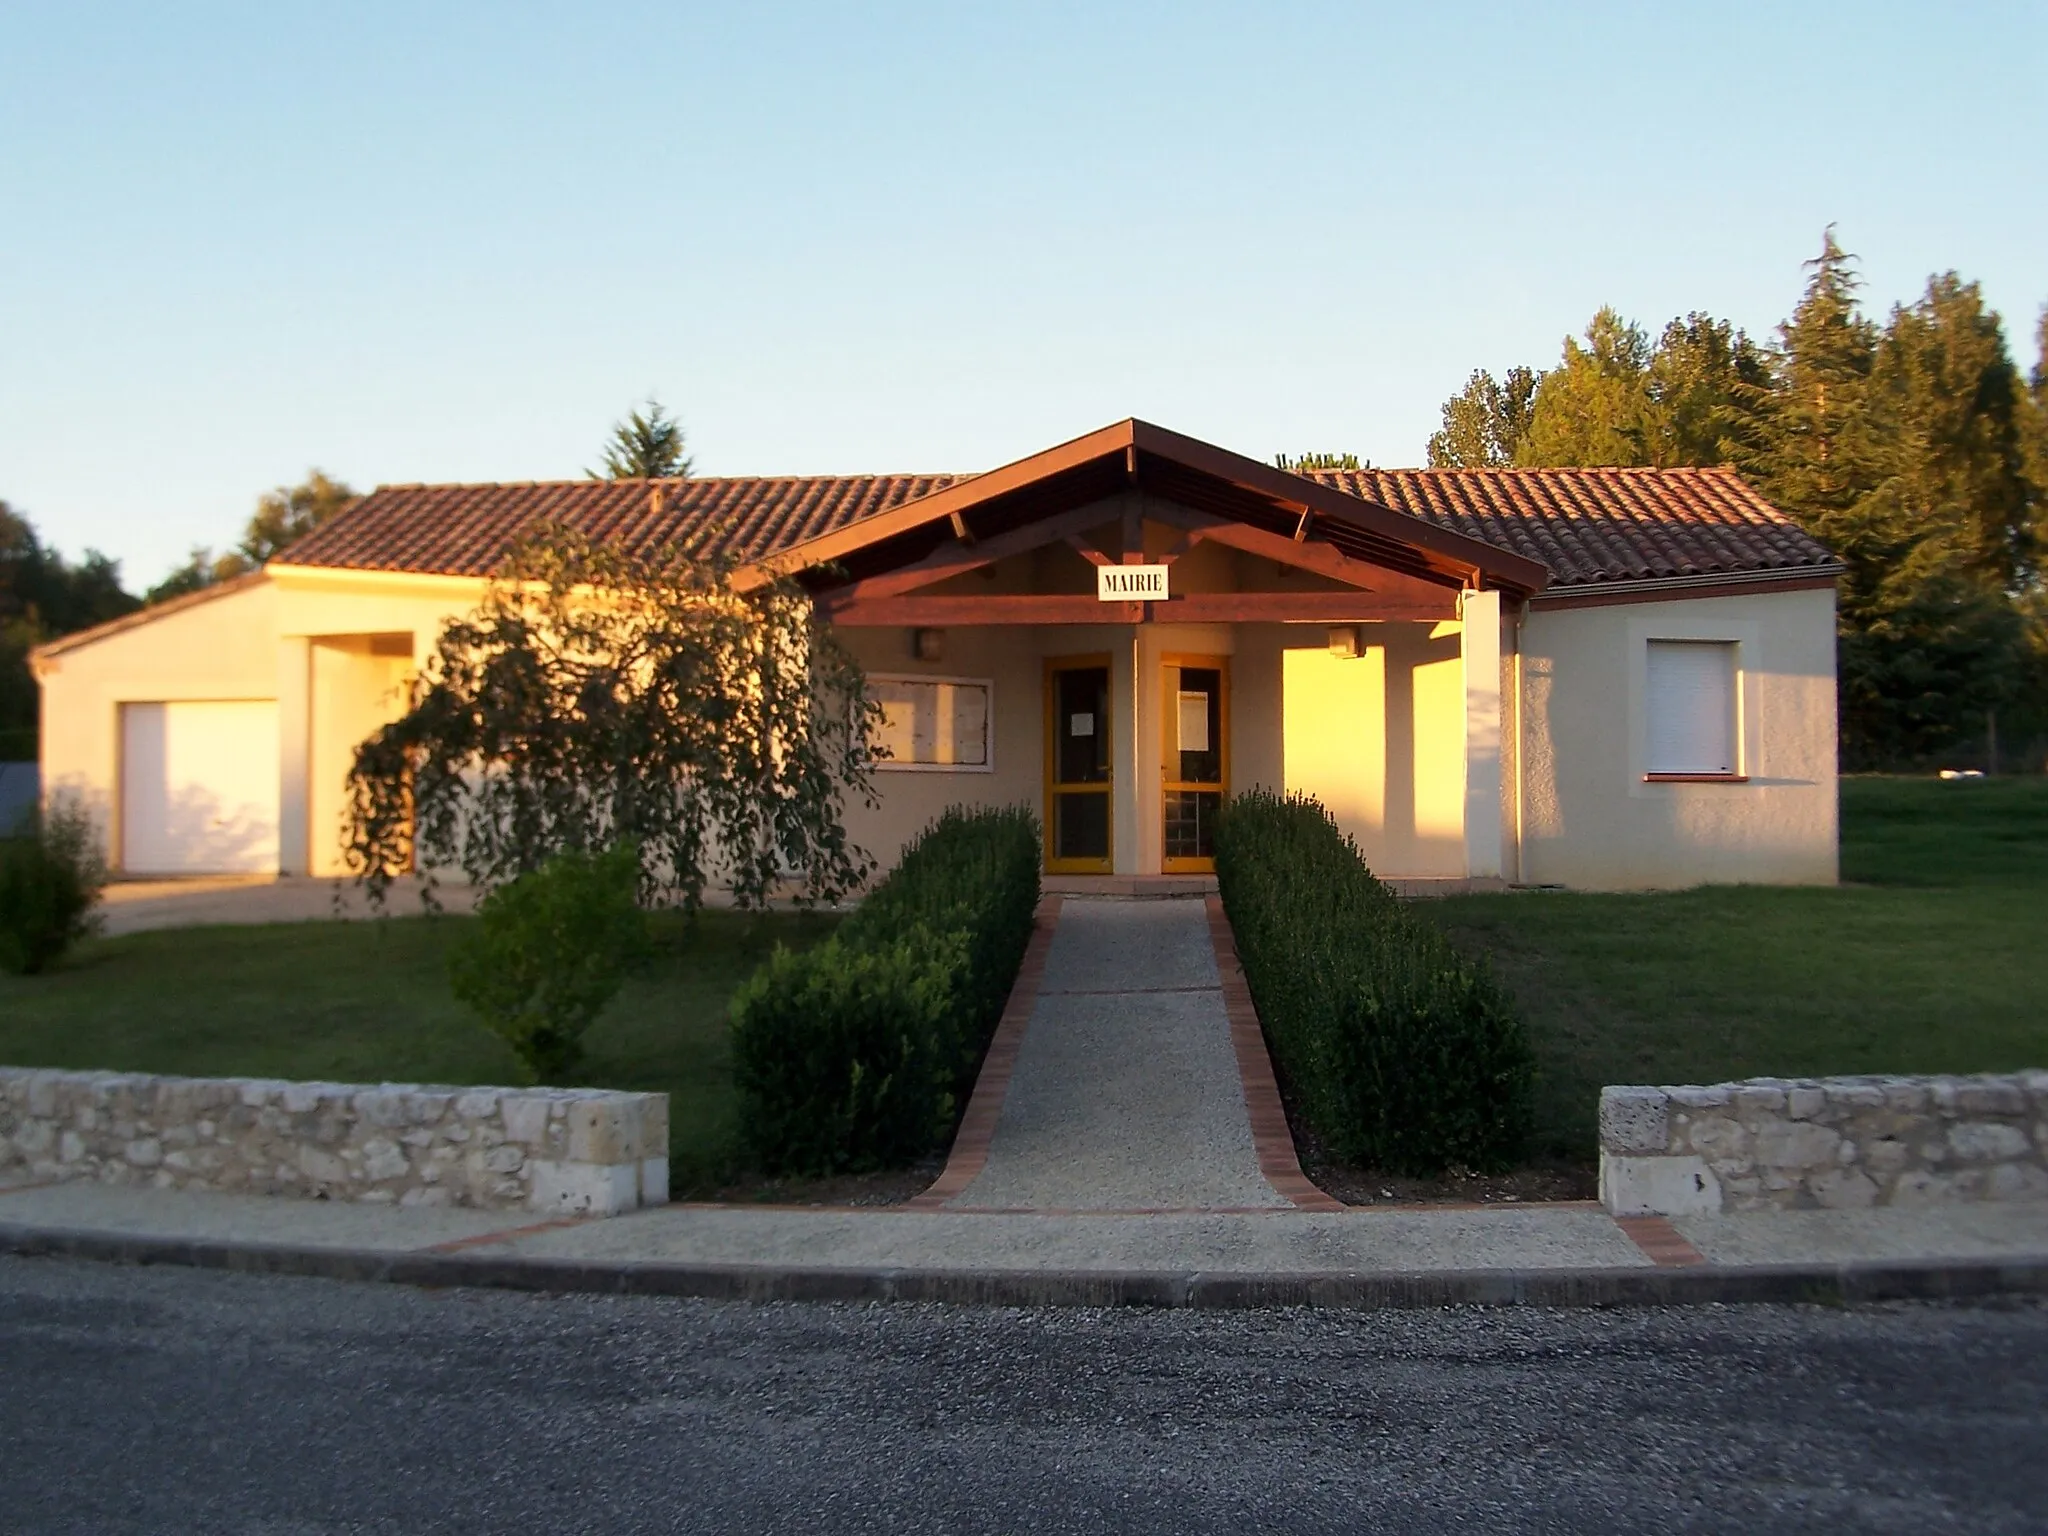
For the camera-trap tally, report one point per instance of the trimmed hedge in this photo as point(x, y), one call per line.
point(1400, 1053)
point(859, 1054)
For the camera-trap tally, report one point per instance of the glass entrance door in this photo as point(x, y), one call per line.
point(1079, 781)
point(1195, 772)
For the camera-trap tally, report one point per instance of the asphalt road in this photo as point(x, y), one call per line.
point(166, 1400)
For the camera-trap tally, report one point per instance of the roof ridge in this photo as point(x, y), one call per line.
point(647, 480)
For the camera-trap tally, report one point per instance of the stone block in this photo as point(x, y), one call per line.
point(1657, 1186)
point(526, 1118)
point(605, 1130)
point(1796, 1144)
point(1632, 1119)
point(1694, 1096)
point(583, 1189)
point(1842, 1189)
point(385, 1108)
point(2016, 1181)
point(1804, 1103)
point(1757, 1099)
point(1990, 1096)
point(1987, 1142)
point(654, 1180)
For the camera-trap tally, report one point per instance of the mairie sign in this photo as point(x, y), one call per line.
point(1130, 583)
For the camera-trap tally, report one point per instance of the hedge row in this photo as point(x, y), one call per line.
point(858, 1054)
point(1399, 1052)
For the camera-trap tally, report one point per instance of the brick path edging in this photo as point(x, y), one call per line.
point(985, 1107)
point(1271, 1137)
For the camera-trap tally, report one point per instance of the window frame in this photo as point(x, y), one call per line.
point(1732, 651)
point(1675, 625)
point(988, 687)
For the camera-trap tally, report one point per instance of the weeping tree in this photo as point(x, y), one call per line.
point(596, 696)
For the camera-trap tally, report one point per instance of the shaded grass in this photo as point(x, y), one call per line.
point(1936, 962)
point(369, 1002)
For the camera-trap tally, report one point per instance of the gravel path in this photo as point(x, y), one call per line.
point(154, 1400)
point(1126, 1093)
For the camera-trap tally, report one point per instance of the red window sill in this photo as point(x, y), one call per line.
point(1695, 778)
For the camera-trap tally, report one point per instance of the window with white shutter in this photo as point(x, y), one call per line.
point(935, 723)
point(1690, 697)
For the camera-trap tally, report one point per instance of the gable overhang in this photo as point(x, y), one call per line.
point(1209, 492)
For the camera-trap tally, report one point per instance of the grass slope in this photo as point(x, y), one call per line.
point(1931, 959)
point(369, 1002)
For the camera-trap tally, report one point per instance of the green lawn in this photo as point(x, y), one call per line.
point(1932, 958)
point(369, 1002)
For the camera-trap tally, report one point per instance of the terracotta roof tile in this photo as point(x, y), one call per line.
point(467, 530)
point(1587, 525)
point(1601, 525)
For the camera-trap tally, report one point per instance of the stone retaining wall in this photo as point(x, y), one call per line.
point(1823, 1143)
point(570, 1151)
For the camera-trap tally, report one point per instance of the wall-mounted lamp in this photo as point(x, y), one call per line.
point(1344, 642)
point(928, 644)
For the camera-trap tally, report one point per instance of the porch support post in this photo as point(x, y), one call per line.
point(295, 735)
point(1481, 647)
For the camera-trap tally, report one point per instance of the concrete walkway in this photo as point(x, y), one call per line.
point(1125, 1095)
point(1553, 1254)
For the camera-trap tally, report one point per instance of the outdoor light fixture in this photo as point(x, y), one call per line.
point(1343, 642)
point(928, 644)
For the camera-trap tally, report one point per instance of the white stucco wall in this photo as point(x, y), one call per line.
point(1587, 817)
point(221, 649)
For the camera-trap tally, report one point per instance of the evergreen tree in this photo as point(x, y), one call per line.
point(1593, 408)
point(645, 446)
point(1485, 423)
point(1820, 460)
point(1946, 401)
point(1708, 395)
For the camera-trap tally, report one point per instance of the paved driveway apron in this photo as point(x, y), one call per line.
point(1126, 1093)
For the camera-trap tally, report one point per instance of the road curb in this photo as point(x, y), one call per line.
point(1825, 1284)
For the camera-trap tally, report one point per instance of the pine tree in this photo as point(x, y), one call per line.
point(1593, 407)
point(1820, 459)
point(1708, 394)
point(645, 446)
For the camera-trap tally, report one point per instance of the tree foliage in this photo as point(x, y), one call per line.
point(42, 596)
point(1302, 463)
point(1914, 449)
point(282, 517)
point(1485, 423)
point(597, 696)
point(645, 446)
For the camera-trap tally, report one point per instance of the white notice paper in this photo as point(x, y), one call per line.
point(1194, 722)
point(1081, 725)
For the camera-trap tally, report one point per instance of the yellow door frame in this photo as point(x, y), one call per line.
point(1170, 663)
point(1054, 665)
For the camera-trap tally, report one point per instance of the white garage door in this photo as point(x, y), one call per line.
point(199, 788)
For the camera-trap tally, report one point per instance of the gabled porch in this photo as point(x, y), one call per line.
point(1305, 640)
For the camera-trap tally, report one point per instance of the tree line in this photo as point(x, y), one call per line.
point(1912, 446)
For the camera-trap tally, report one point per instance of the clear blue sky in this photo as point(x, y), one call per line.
point(458, 241)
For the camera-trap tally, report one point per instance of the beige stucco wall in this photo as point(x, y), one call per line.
point(221, 649)
point(1588, 819)
point(1379, 738)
